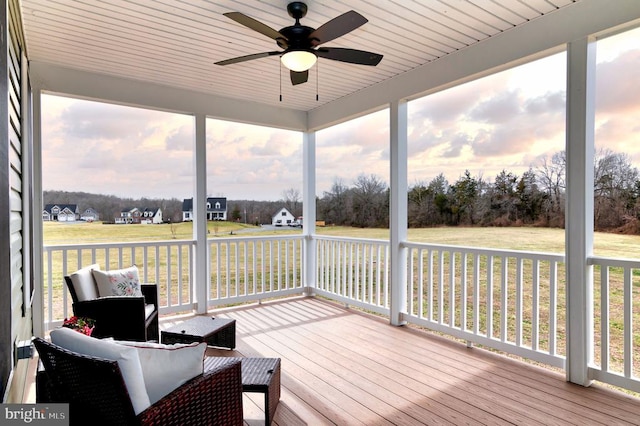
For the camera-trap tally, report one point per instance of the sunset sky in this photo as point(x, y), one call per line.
point(506, 121)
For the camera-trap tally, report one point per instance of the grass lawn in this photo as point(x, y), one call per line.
point(515, 238)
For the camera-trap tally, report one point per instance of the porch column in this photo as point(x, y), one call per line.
point(309, 268)
point(37, 308)
point(579, 207)
point(398, 213)
point(200, 257)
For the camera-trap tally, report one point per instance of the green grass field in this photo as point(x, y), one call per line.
point(516, 238)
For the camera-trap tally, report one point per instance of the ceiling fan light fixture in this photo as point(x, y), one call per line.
point(299, 60)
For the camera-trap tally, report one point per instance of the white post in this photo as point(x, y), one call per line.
point(398, 213)
point(37, 207)
point(579, 207)
point(28, 218)
point(309, 210)
point(200, 258)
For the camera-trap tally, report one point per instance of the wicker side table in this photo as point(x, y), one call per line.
point(261, 375)
point(219, 332)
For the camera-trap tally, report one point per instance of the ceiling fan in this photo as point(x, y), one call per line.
point(301, 43)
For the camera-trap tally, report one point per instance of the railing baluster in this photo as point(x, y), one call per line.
point(430, 286)
point(490, 266)
point(452, 289)
point(535, 306)
point(553, 312)
point(504, 282)
point(604, 318)
point(628, 323)
point(441, 289)
point(519, 284)
point(463, 292)
point(476, 294)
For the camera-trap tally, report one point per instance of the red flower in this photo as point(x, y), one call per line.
point(80, 324)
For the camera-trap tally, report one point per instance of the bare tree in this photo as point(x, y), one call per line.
point(291, 199)
point(370, 202)
point(551, 179)
point(614, 184)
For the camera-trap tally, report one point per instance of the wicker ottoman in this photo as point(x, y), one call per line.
point(219, 332)
point(260, 375)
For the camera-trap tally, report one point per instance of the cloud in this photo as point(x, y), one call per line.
point(618, 85)
point(504, 121)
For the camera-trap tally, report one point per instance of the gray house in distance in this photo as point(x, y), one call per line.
point(216, 209)
point(60, 213)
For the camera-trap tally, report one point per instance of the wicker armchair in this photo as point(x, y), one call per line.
point(124, 317)
point(96, 392)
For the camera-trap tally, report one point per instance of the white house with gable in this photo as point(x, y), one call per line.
point(282, 218)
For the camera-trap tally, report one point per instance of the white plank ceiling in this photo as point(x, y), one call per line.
point(176, 42)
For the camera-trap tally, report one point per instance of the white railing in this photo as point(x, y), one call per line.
point(243, 269)
point(615, 303)
point(167, 263)
point(512, 301)
point(354, 271)
point(506, 300)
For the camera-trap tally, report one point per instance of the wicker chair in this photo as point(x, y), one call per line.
point(123, 318)
point(96, 392)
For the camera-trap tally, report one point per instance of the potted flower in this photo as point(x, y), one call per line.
point(80, 324)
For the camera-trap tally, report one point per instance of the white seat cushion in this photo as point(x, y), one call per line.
point(166, 367)
point(127, 358)
point(84, 284)
point(118, 282)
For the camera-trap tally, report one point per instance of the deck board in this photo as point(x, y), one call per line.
point(340, 366)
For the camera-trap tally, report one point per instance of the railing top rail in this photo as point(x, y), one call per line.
point(556, 257)
point(609, 261)
point(118, 244)
point(217, 240)
point(350, 239)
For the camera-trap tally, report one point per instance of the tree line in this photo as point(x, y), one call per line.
point(535, 198)
point(110, 206)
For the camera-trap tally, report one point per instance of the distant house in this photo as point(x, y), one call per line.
point(216, 209)
point(137, 215)
point(61, 213)
point(128, 216)
point(151, 216)
point(283, 218)
point(90, 215)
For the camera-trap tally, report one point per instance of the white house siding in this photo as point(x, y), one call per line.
point(17, 105)
point(284, 216)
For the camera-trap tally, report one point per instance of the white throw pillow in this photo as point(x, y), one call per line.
point(127, 358)
point(167, 367)
point(118, 282)
point(84, 284)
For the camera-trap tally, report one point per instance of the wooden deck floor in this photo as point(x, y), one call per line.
point(347, 368)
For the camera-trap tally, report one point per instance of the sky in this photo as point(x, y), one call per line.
point(508, 121)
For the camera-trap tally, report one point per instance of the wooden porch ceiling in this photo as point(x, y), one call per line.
point(344, 367)
point(176, 42)
point(161, 54)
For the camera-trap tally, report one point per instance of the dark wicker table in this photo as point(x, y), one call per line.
point(219, 332)
point(260, 375)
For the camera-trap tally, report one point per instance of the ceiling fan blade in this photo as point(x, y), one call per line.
point(299, 77)
point(254, 25)
point(337, 27)
point(247, 58)
point(351, 56)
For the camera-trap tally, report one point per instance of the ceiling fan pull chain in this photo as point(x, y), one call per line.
point(317, 78)
point(280, 80)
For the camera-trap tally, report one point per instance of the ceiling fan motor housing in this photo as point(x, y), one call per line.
point(297, 10)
